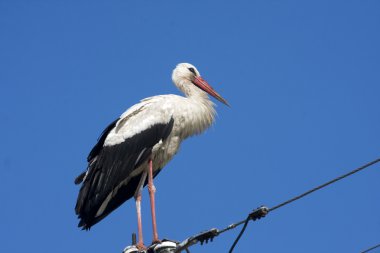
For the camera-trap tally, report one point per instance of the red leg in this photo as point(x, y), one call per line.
point(140, 245)
point(152, 191)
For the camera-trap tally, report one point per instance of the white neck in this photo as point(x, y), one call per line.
point(200, 112)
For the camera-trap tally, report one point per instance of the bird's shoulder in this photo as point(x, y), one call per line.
point(149, 112)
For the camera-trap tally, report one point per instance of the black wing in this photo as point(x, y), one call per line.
point(108, 183)
point(96, 149)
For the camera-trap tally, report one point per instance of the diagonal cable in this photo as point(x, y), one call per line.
point(303, 195)
point(324, 185)
point(370, 249)
point(262, 212)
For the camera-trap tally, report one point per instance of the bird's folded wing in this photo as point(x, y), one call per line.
point(123, 146)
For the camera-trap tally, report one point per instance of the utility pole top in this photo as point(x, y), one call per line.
point(170, 246)
point(166, 246)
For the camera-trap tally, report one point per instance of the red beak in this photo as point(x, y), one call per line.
point(202, 84)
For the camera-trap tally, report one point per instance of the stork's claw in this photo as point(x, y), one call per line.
point(141, 247)
point(156, 241)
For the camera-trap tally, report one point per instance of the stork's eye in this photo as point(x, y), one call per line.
point(192, 70)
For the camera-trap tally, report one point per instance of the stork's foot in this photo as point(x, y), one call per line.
point(141, 247)
point(156, 241)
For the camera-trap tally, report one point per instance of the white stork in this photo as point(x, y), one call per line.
point(133, 149)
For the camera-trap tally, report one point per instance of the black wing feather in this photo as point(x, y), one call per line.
point(108, 181)
point(96, 149)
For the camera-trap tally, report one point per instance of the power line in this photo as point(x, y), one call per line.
point(325, 184)
point(372, 248)
point(239, 235)
point(263, 211)
point(301, 196)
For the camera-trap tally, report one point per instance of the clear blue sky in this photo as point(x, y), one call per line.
point(303, 81)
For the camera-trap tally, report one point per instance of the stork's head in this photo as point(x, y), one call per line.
point(187, 78)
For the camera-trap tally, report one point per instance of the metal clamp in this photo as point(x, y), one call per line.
point(259, 213)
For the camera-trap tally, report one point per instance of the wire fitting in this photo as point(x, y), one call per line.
point(259, 213)
point(204, 237)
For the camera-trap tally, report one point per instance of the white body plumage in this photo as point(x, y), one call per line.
point(191, 116)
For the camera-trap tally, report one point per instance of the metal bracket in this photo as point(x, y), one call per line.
point(259, 213)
